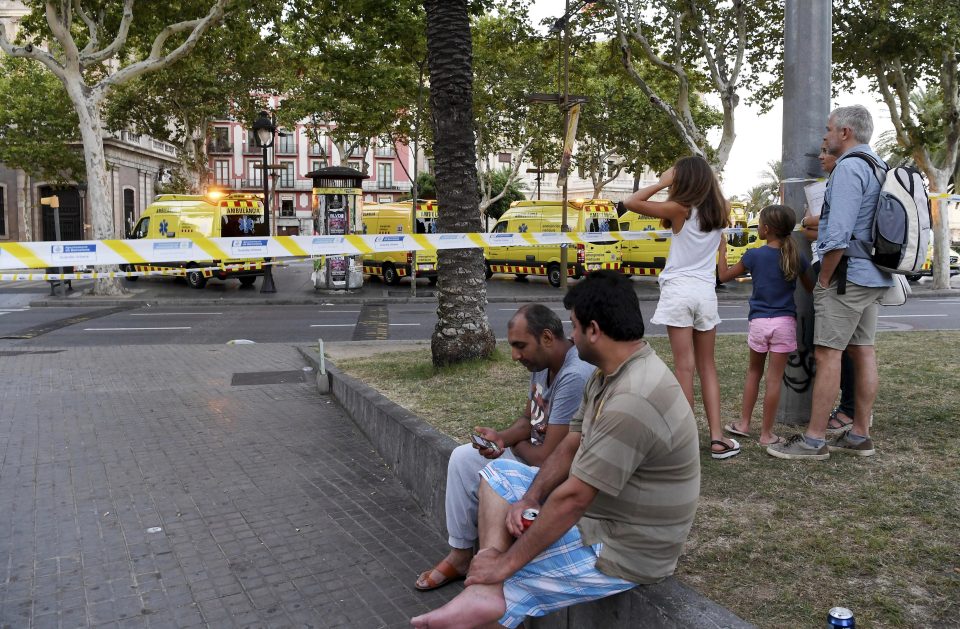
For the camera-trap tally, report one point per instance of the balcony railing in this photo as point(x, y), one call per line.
point(218, 146)
point(385, 151)
point(256, 185)
point(395, 186)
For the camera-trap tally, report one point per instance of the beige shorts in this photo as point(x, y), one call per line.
point(841, 320)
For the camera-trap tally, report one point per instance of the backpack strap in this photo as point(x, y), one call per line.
point(861, 248)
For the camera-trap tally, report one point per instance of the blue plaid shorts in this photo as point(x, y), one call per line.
point(564, 574)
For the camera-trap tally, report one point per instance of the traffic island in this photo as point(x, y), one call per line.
point(417, 453)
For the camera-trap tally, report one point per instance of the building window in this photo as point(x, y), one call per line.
point(287, 174)
point(384, 175)
point(129, 209)
point(252, 144)
point(3, 210)
point(286, 143)
point(385, 151)
point(317, 164)
point(355, 164)
point(316, 149)
point(286, 208)
point(505, 158)
point(221, 140)
point(254, 174)
point(221, 172)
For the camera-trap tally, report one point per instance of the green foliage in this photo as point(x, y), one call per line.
point(498, 179)
point(37, 123)
point(426, 187)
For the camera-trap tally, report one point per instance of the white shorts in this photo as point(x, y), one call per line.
point(687, 303)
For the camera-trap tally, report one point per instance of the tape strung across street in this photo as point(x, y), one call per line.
point(85, 253)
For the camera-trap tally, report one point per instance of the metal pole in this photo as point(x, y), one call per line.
point(566, 121)
point(806, 105)
point(56, 231)
point(267, 285)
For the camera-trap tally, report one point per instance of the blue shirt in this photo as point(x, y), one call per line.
point(772, 294)
point(850, 204)
point(556, 402)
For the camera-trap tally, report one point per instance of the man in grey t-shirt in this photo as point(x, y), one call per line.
point(537, 341)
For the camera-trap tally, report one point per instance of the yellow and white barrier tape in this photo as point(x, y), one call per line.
point(37, 255)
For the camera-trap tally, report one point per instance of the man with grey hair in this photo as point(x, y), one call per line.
point(557, 378)
point(847, 290)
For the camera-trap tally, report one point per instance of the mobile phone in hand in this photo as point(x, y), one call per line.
point(485, 443)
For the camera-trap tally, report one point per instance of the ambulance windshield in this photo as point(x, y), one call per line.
point(235, 225)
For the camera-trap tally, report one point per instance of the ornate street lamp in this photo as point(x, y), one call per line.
point(264, 129)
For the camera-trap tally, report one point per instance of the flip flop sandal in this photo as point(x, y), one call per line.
point(733, 431)
point(776, 441)
point(450, 574)
point(727, 452)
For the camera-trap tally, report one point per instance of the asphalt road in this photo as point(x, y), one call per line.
point(70, 327)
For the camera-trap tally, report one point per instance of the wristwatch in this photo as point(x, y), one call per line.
point(802, 224)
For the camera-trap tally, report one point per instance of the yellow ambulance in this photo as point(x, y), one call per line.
point(744, 234)
point(212, 216)
point(394, 218)
point(594, 215)
point(643, 257)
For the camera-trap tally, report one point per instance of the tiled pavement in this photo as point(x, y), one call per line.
point(138, 488)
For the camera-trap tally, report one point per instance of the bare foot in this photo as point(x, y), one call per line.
point(459, 558)
point(475, 606)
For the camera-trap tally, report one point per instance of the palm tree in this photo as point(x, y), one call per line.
point(462, 331)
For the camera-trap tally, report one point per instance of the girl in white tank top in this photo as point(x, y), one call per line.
point(696, 212)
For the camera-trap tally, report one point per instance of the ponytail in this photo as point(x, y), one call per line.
point(789, 258)
point(781, 219)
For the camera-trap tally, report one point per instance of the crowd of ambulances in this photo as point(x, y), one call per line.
point(228, 215)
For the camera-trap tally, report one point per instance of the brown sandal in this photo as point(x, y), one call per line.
point(450, 574)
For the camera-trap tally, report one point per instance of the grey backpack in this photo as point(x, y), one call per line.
point(901, 227)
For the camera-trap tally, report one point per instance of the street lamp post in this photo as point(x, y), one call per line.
point(264, 129)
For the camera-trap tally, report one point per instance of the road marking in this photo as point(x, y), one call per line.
point(333, 325)
point(403, 324)
point(909, 316)
point(129, 329)
point(338, 311)
point(164, 314)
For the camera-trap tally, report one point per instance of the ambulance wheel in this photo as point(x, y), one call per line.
point(433, 279)
point(248, 280)
point(553, 275)
point(521, 277)
point(390, 275)
point(126, 268)
point(914, 278)
point(195, 278)
point(489, 272)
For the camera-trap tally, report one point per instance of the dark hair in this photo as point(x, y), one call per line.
point(539, 318)
point(781, 219)
point(608, 298)
point(695, 185)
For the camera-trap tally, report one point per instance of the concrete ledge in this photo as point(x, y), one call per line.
point(418, 454)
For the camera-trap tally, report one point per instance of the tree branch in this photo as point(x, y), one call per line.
point(92, 28)
point(29, 52)
point(511, 177)
point(155, 61)
point(59, 24)
point(96, 56)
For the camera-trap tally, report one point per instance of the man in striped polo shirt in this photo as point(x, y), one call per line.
point(616, 498)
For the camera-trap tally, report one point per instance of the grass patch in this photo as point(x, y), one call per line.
point(781, 542)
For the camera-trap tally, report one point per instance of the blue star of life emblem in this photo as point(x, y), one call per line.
point(164, 226)
point(246, 225)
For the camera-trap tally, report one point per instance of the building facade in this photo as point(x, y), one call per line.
point(236, 165)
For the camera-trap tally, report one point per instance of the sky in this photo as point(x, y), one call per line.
point(759, 137)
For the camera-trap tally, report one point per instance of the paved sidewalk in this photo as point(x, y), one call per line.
point(139, 488)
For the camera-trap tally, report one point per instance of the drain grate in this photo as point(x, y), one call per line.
point(266, 377)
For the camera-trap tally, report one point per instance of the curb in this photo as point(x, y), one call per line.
point(418, 454)
point(93, 302)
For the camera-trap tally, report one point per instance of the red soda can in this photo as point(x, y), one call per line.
point(528, 516)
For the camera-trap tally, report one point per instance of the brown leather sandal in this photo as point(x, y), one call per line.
point(450, 574)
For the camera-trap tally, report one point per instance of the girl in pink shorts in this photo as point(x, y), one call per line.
point(774, 269)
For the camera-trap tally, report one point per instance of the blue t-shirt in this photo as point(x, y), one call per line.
point(772, 293)
point(557, 402)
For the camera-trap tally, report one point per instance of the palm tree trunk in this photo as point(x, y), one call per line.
point(462, 331)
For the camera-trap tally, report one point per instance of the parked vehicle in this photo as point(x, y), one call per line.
point(395, 218)
point(595, 215)
point(212, 216)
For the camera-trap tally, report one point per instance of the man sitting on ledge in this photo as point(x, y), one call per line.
point(616, 498)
